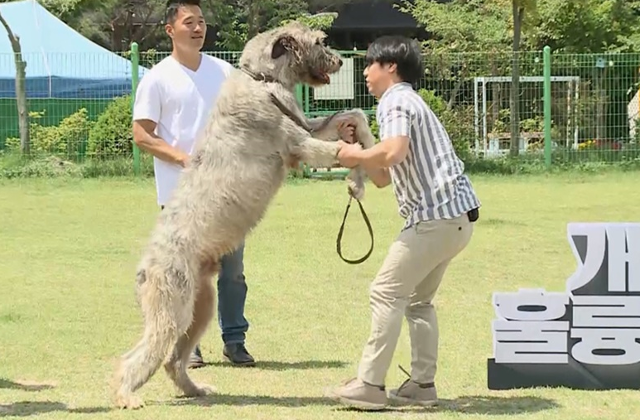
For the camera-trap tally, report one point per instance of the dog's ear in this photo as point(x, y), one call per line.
point(284, 44)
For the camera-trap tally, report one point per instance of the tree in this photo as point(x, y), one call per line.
point(602, 29)
point(115, 24)
point(588, 26)
point(254, 16)
point(320, 21)
point(21, 92)
point(470, 26)
point(459, 29)
point(520, 9)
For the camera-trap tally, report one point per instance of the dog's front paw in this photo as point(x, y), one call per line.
point(200, 390)
point(129, 401)
point(355, 190)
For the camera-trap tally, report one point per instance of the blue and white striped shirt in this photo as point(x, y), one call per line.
point(430, 183)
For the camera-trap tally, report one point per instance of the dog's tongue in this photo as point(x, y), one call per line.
point(325, 78)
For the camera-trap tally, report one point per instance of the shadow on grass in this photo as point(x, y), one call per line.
point(275, 365)
point(34, 408)
point(24, 386)
point(483, 404)
point(486, 405)
point(463, 405)
point(244, 400)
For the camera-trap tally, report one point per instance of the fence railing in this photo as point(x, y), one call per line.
point(571, 107)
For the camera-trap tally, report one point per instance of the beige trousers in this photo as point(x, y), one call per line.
point(405, 287)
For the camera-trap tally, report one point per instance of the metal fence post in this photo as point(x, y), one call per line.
point(135, 60)
point(301, 101)
point(547, 106)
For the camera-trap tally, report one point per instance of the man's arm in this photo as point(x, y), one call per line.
point(395, 129)
point(380, 176)
point(377, 160)
point(146, 139)
point(146, 114)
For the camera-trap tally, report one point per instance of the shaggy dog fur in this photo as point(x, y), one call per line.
point(237, 167)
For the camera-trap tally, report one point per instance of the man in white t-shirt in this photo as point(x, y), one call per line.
point(172, 104)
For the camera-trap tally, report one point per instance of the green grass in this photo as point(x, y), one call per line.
point(67, 309)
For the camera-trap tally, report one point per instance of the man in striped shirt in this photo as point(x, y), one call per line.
point(439, 206)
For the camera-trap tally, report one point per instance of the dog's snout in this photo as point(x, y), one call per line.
point(340, 62)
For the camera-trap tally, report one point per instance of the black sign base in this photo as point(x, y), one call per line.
point(571, 375)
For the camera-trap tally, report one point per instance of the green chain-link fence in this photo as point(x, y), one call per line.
point(591, 113)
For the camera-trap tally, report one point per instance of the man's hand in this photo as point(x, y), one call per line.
point(349, 154)
point(182, 159)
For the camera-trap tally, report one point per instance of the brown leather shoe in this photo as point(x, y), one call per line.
point(357, 394)
point(413, 393)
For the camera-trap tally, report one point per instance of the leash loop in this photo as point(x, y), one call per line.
point(341, 231)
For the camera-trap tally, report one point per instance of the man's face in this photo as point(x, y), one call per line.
point(378, 77)
point(188, 29)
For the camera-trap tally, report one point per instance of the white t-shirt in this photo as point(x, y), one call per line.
point(179, 101)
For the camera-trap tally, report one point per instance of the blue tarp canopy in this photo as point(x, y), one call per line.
point(61, 63)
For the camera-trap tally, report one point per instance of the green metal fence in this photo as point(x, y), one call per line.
point(572, 107)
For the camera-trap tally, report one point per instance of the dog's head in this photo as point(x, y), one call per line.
point(292, 54)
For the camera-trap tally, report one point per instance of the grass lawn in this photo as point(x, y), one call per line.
point(67, 309)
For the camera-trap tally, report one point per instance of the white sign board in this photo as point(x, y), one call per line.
point(342, 84)
point(585, 337)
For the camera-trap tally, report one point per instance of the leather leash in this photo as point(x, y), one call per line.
point(341, 231)
point(283, 108)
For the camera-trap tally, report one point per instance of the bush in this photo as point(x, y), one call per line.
point(373, 125)
point(111, 135)
point(13, 165)
point(67, 139)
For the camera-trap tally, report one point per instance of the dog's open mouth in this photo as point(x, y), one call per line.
point(320, 76)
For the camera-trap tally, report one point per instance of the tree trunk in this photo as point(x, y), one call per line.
point(495, 93)
point(456, 88)
point(518, 14)
point(21, 91)
point(253, 19)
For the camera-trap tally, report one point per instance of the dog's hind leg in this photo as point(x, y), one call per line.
point(204, 306)
point(164, 316)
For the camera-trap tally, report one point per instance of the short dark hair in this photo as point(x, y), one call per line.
point(404, 52)
point(172, 8)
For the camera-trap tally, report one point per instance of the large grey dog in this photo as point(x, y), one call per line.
point(241, 160)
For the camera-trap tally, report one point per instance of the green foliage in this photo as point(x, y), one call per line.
point(527, 11)
point(111, 136)
point(462, 25)
point(12, 165)
point(114, 24)
point(588, 26)
point(320, 21)
point(373, 125)
point(60, 7)
point(239, 20)
point(67, 139)
point(527, 125)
